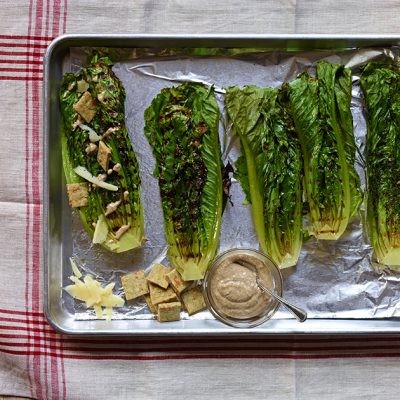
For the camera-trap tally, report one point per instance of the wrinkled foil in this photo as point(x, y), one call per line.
point(333, 279)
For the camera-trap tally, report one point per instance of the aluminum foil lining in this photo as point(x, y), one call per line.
point(333, 279)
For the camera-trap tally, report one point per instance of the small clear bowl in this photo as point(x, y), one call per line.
point(231, 291)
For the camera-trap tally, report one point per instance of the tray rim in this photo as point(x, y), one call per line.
point(385, 326)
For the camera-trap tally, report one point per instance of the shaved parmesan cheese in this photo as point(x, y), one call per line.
point(93, 136)
point(76, 280)
point(112, 300)
point(75, 268)
point(99, 311)
point(94, 292)
point(108, 312)
point(85, 174)
point(90, 291)
point(110, 287)
point(101, 230)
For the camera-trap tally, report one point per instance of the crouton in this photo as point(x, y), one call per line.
point(134, 285)
point(176, 281)
point(158, 274)
point(169, 312)
point(104, 155)
point(86, 106)
point(152, 307)
point(159, 295)
point(193, 300)
point(78, 194)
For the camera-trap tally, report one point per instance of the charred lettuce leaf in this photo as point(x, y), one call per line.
point(270, 168)
point(100, 166)
point(181, 125)
point(321, 110)
point(381, 87)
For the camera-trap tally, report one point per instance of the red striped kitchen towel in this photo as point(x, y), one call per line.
point(35, 361)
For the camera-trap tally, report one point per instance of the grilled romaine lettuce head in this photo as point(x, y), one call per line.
point(181, 125)
point(270, 169)
point(381, 87)
point(100, 167)
point(321, 110)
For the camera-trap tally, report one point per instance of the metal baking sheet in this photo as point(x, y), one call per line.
point(359, 298)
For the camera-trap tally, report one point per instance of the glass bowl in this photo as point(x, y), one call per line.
point(231, 291)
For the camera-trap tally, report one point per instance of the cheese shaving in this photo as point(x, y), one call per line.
point(85, 174)
point(93, 136)
point(75, 268)
point(90, 291)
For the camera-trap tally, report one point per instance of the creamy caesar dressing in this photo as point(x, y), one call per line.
point(234, 289)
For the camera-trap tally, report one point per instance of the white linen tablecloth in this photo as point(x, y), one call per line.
point(38, 363)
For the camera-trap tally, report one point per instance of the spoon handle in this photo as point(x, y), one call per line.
point(298, 312)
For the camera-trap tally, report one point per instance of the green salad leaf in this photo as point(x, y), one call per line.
point(100, 167)
point(321, 111)
point(181, 125)
point(380, 83)
point(269, 169)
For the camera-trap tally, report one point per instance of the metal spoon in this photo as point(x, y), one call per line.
point(299, 313)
